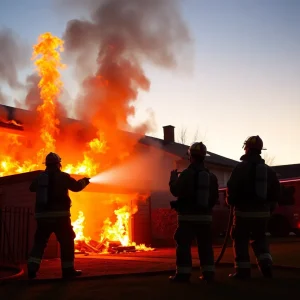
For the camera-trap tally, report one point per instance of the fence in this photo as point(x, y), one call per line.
point(14, 229)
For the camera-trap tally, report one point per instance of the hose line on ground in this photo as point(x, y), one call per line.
point(226, 237)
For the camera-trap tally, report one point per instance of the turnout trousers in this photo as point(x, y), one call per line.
point(252, 229)
point(186, 232)
point(63, 229)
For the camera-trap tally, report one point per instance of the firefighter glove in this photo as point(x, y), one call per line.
point(87, 180)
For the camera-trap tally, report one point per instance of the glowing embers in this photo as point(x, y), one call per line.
point(93, 247)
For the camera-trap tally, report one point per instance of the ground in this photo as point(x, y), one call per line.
point(157, 287)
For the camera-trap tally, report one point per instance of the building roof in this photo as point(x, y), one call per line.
point(287, 171)
point(180, 150)
point(22, 116)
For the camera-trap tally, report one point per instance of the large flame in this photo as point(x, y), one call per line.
point(48, 65)
point(46, 54)
point(25, 153)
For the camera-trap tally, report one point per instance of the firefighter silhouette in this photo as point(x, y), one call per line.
point(52, 213)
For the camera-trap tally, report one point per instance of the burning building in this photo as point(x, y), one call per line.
point(120, 37)
point(124, 207)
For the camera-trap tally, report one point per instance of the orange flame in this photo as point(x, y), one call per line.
point(47, 61)
point(14, 155)
point(78, 228)
point(49, 48)
point(118, 231)
point(89, 166)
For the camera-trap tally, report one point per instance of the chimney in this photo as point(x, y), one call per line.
point(169, 136)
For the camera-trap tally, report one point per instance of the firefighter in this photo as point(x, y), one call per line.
point(52, 213)
point(253, 191)
point(196, 189)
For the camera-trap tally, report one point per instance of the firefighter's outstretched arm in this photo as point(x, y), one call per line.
point(177, 183)
point(77, 185)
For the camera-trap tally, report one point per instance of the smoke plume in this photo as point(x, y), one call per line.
point(33, 99)
point(126, 34)
point(13, 56)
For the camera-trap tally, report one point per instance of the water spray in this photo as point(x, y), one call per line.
point(103, 177)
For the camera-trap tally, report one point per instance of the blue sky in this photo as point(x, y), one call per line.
point(245, 76)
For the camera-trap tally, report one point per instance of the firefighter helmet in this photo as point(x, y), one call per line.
point(197, 149)
point(254, 142)
point(52, 159)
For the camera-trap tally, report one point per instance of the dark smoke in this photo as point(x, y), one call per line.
point(126, 34)
point(13, 56)
point(33, 100)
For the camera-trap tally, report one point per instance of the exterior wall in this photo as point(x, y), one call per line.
point(141, 223)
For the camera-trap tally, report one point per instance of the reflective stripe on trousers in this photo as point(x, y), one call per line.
point(53, 214)
point(242, 265)
point(183, 270)
point(194, 218)
point(34, 260)
point(252, 214)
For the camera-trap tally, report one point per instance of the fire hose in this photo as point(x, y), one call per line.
point(227, 235)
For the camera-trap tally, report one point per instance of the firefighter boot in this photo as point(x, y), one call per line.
point(265, 267)
point(70, 273)
point(208, 277)
point(241, 274)
point(183, 278)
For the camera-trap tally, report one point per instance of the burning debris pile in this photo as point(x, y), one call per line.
point(92, 246)
point(123, 35)
point(114, 238)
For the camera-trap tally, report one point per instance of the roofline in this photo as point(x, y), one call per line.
point(19, 130)
point(286, 180)
point(288, 165)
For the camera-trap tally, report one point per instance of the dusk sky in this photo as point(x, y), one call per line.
point(243, 79)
